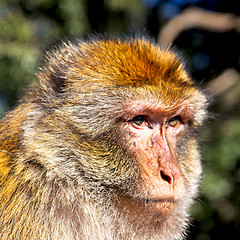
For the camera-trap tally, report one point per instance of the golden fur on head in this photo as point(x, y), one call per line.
point(119, 62)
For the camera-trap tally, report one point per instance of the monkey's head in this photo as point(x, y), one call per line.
point(121, 115)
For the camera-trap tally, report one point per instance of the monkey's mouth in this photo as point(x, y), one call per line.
point(161, 200)
point(163, 205)
point(158, 200)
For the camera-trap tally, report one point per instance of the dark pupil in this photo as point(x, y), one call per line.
point(139, 119)
point(173, 122)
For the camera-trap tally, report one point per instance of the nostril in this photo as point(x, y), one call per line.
point(166, 176)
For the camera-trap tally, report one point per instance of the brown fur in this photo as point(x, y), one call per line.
point(65, 172)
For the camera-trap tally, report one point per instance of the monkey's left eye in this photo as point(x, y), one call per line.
point(174, 122)
point(139, 120)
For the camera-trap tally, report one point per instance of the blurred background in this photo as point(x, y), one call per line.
point(208, 35)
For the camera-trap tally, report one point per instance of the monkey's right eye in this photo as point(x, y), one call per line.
point(139, 120)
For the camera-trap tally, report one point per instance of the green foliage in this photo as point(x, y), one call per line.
point(18, 54)
point(26, 29)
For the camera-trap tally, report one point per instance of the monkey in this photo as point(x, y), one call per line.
point(104, 145)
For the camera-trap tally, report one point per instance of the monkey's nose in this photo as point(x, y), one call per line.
point(168, 176)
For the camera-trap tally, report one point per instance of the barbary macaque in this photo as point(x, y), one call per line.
point(103, 146)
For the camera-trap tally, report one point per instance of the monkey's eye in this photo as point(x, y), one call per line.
point(139, 120)
point(174, 122)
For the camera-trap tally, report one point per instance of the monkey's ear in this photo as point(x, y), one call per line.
point(53, 77)
point(51, 82)
point(57, 81)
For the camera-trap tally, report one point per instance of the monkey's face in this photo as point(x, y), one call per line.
point(156, 137)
